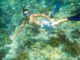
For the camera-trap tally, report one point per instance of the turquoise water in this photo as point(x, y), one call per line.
point(33, 43)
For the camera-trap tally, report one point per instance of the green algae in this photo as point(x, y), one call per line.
point(23, 56)
point(2, 43)
point(74, 48)
point(55, 41)
point(4, 38)
point(2, 53)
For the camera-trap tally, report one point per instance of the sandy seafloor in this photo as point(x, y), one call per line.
point(33, 43)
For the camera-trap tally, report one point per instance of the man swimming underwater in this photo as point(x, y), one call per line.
point(45, 24)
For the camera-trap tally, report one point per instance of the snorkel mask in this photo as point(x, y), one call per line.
point(26, 14)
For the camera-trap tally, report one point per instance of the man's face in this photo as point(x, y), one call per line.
point(26, 13)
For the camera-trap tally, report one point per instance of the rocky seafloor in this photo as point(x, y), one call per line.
point(33, 43)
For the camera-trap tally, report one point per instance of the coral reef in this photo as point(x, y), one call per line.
point(23, 56)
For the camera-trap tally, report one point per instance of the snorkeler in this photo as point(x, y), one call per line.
point(45, 24)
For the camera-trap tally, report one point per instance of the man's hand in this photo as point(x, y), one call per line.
point(47, 17)
point(12, 37)
point(52, 19)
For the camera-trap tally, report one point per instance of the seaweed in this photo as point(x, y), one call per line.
point(23, 55)
point(61, 38)
point(55, 41)
point(75, 33)
point(4, 39)
point(2, 54)
point(74, 48)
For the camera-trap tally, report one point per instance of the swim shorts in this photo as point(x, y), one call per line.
point(46, 24)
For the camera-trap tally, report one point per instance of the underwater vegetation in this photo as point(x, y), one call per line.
point(61, 38)
point(4, 39)
point(1, 12)
point(23, 56)
point(75, 33)
point(74, 48)
point(55, 41)
point(2, 53)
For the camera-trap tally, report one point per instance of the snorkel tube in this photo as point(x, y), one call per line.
point(57, 7)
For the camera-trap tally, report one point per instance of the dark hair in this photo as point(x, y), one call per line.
point(25, 10)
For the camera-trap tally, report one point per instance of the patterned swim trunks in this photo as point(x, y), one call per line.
point(46, 24)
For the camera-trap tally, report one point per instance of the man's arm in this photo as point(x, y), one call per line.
point(43, 15)
point(18, 30)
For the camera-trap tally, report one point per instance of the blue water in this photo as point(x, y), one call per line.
point(34, 43)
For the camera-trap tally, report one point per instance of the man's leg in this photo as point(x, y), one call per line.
point(59, 21)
